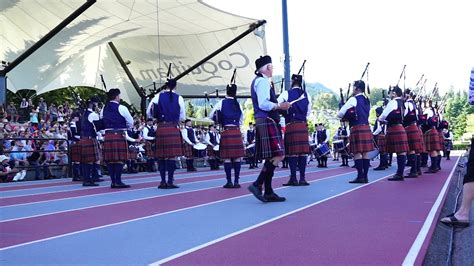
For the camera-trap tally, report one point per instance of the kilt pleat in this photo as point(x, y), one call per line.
point(296, 139)
point(382, 145)
point(415, 142)
point(115, 147)
point(268, 140)
point(75, 153)
point(396, 139)
point(422, 137)
point(169, 142)
point(361, 139)
point(188, 150)
point(231, 145)
point(432, 140)
point(150, 149)
point(89, 151)
point(441, 139)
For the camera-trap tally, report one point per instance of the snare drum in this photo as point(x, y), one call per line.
point(321, 150)
point(199, 150)
point(338, 145)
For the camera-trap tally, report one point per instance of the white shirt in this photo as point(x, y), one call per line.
point(284, 98)
point(207, 139)
point(428, 112)
point(379, 128)
point(145, 132)
point(184, 134)
point(450, 136)
point(218, 107)
point(156, 99)
point(392, 105)
point(262, 87)
point(410, 106)
point(352, 102)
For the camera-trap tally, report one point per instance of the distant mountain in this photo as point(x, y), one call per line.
point(317, 88)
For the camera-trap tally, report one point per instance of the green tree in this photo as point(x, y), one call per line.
point(326, 101)
point(190, 112)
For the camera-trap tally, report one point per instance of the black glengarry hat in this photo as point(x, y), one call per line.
point(359, 85)
point(262, 61)
point(231, 90)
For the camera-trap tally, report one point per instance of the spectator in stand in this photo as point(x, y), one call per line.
point(12, 113)
point(24, 109)
point(34, 160)
point(7, 173)
point(61, 158)
point(61, 115)
point(34, 117)
point(53, 113)
point(42, 109)
point(2, 112)
point(18, 155)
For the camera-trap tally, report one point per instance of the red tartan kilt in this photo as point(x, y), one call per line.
point(133, 152)
point(432, 140)
point(115, 147)
point(149, 151)
point(89, 150)
point(415, 142)
point(169, 142)
point(296, 139)
point(268, 141)
point(75, 153)
point(188, 150)
point(361, 139)
point(381, 142)
point(231, 145)
point(211, 152)
point(423, 141)
point(441, 139)
point(396, 139)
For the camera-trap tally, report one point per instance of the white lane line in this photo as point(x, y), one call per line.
point(260, 224)
point(164, 213)
point(420, 238)
point(133, 200)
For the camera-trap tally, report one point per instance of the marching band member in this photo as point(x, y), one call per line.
point(379, 135)
point(230, 116)
point(296, 133)
point(343, 135)
point(396, 138)
point(269, 142)
point(149, 135)
point(360, 139)
point(189, 137)
point(117, 119)
point(415, 141)
point(251, 140)
point(74, 136)
point(448, 140)
point(212, 138)
point(432, 143)
point(89, 147)
point(440, 128)
point(168, 109)
point(322, 138)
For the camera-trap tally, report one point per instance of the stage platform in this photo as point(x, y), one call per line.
point(330, 222)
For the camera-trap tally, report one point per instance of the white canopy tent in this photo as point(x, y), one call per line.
point(150, 34)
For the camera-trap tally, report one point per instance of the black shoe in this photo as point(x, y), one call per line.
point(419, 173)
point(236, 185)
point(291, 182)
point(257, 193)
point(98, 180)
point(75, 179)
point(410, 175)
point(395, 178)
point(228, 185)
point(303, 183)
point(89, 184)
point(172, 186)
point(121, 185)
point(359, 181)
point(274, 198)
point(379, 168)
point(163, 185)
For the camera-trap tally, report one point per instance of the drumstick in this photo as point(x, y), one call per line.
point(299, 99)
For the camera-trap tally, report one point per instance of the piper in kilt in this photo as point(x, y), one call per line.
point(379, 135)
point(360, 140)
point(168, 109)
point(250, 139)
point(88, 145)
point(230, 116)
point(448, 142)
point(396, 138)
point(432, 143)
point(344, 136)
point(212, 139)
point(149, 135)
point(74, 137)
point(269, 143)
point(424, 127)
point(117, 119)
point(296, 133)
point(415, 142)
point(189, 140)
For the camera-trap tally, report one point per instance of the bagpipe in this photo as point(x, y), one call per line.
point(217, 116)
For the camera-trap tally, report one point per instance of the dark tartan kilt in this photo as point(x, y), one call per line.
point(396, 139)
point(231, 145)
point(432, 140)
point(380, 138)
point(361, 139)
point(188, 150)
point(415, 142)
point(423, 141)
point(89, 150)
point(150, 149)
point(75, 152)
point(441, 139)
point(448, 145)
point(211, 152)
point(296, 139)
point(268, 141)
point(115, 147)
point(169, 142)
point(132, 152)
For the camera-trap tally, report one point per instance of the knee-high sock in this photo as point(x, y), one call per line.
point(413, 166)
point(268, 177)
point(162, 168)
point(189, 163)
point(302, 166)
point(366, 165)
point(359, 165)
point(292, 162)
point(170, 167)
point(149, 163)
point(237, 166)
point(111, 170)
point(434, 164)
point(118, 172)
point(439, 161)
point(86, 172)
point(76, 172)
point(401, 162)
point(418, 163)
point(424, 158)
point(447, 154)
point(228, 171)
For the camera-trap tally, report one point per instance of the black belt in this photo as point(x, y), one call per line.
point(115, 131)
